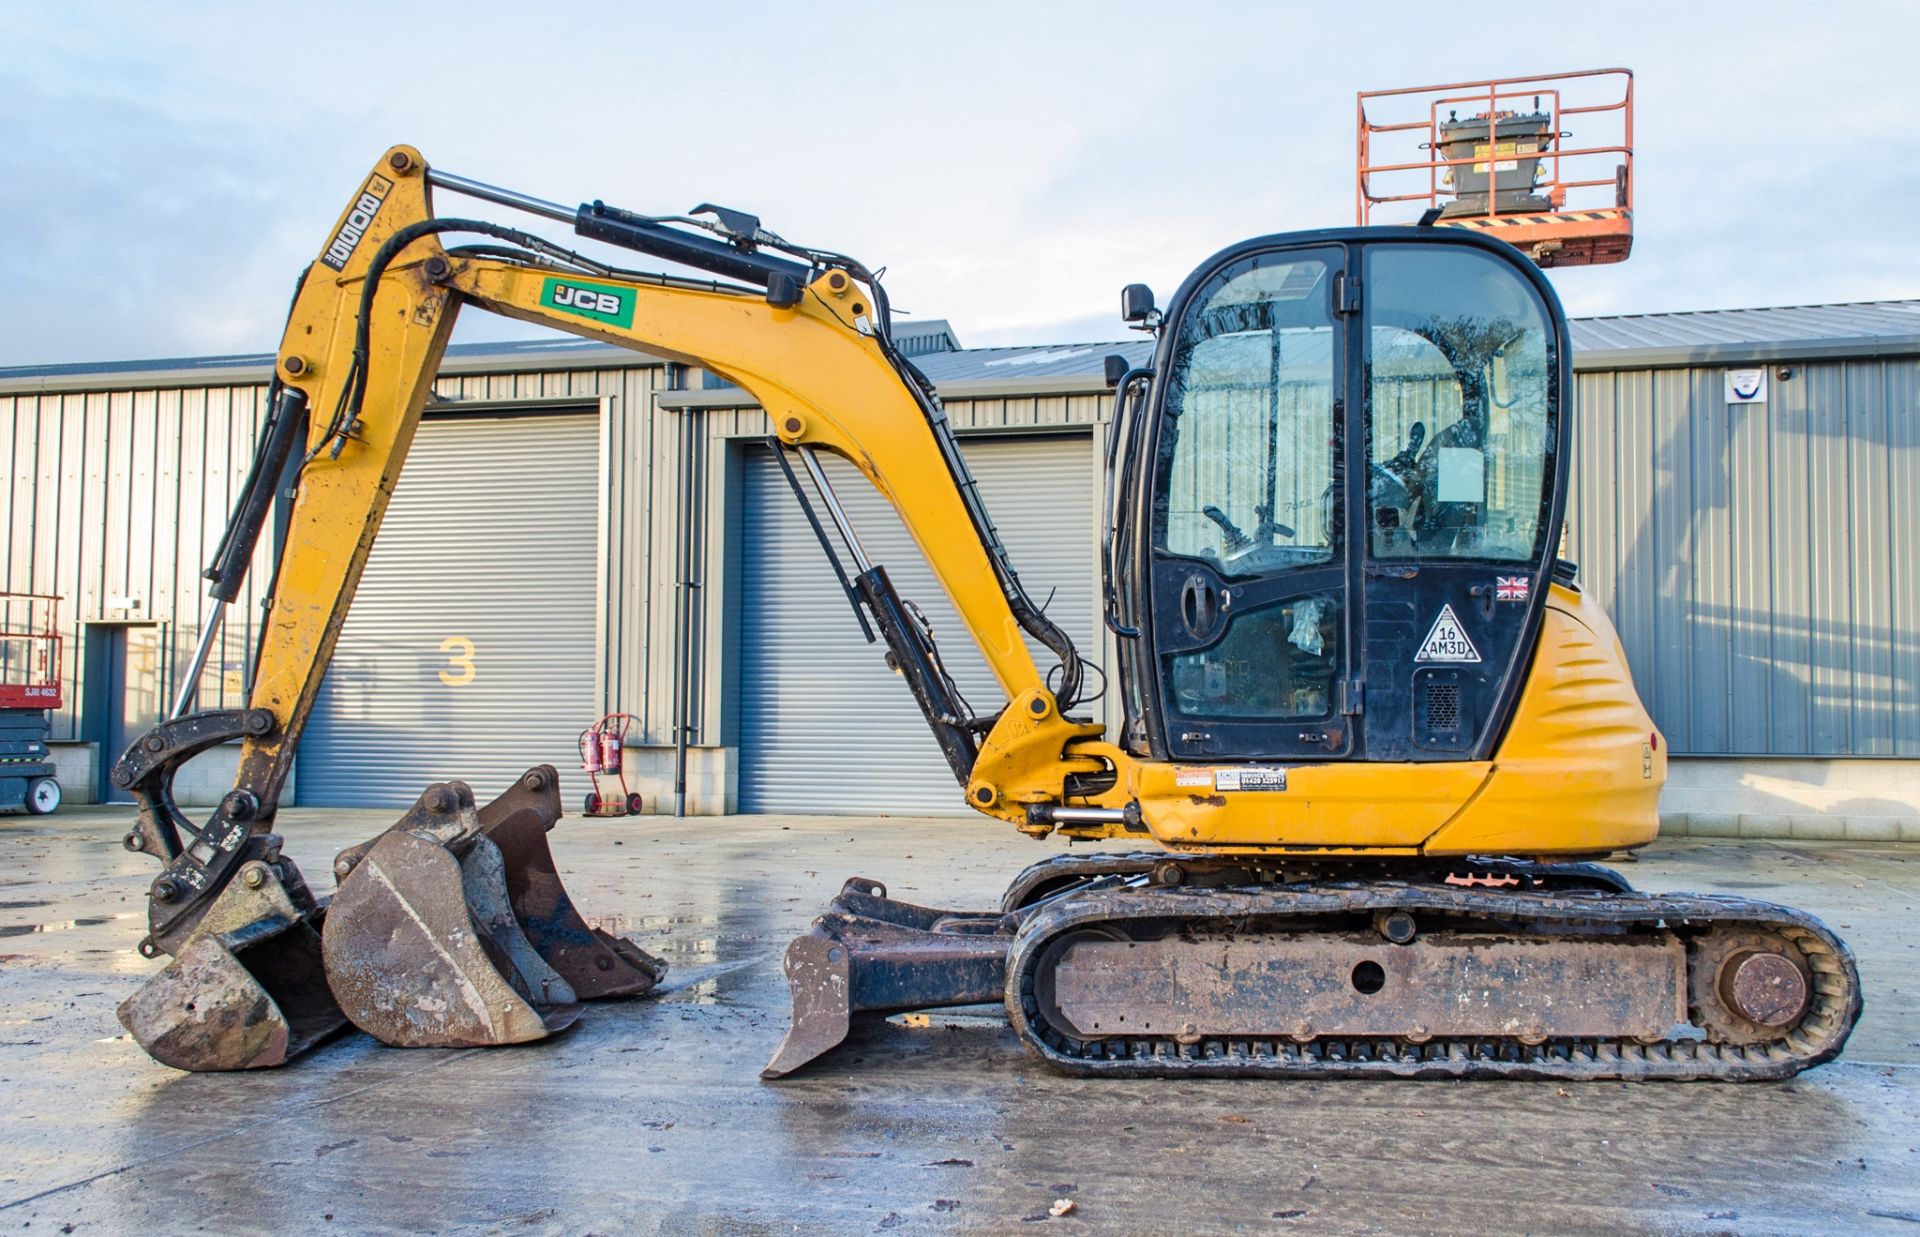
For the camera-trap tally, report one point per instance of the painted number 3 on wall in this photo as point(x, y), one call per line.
point(459, 670)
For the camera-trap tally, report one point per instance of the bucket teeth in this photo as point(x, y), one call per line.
point(596, 963)
point(451, 929)
point(421, 944)
point(247, 989)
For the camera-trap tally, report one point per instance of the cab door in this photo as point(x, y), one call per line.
point(1460, 426)
point(1357, 469)
point(1248, 568)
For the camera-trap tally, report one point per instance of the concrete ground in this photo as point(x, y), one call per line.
point(649, 1116)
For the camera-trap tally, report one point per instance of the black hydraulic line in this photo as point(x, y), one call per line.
point(270, 457)
point(600, 222)
point(286, 426)
point(354, 393)
point(1032, 618)
point(820, 533)
point(1119, 425)
point(914, 659)
point(753, 267)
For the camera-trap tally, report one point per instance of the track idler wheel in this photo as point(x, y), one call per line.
point(1749, 986)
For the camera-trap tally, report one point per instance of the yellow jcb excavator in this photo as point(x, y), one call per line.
point(1373, 729)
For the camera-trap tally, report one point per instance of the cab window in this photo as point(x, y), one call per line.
point(1460, 405)
point(1248, 449)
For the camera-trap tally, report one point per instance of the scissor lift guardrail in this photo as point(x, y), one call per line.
point(1498, 157)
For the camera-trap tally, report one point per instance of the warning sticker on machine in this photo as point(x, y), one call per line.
point(1256, 778)
point(1184, 776)
point(1447, 641)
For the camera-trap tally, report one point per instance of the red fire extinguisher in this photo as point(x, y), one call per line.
point(601, 756)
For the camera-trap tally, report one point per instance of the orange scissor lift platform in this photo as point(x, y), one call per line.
point(1544, 163)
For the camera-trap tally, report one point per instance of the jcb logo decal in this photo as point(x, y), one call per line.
point(359, 219)
point(594, 301)
point(586, 298)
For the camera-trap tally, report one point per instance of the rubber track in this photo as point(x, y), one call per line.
point(1831, 1013)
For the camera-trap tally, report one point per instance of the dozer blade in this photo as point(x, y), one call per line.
point(597, 964)
point(421, 944)
point(247, 989)
point(869, 953)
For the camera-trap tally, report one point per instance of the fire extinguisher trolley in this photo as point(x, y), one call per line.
point(30, 644)
point(602, 755)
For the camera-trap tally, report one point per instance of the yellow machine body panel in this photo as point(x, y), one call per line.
point(1579, 773)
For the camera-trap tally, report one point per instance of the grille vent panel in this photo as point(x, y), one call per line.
point(1440, 721)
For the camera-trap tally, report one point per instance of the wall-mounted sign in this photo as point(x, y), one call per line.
point(1746, 386)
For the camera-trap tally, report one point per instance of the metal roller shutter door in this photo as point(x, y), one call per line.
point(825, 726)
point(489, 540)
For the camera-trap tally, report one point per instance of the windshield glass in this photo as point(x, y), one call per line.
point(1460, 405)
point(1248, 454)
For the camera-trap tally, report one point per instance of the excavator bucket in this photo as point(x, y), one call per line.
point(451, 929)
point(596, 963)
point(247, 990)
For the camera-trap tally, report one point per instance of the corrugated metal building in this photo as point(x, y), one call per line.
point(1759, 557)
point(1762, 559)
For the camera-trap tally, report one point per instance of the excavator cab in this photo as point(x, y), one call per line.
point(1353, 479)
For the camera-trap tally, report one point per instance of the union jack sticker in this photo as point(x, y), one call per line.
point(1511, 588)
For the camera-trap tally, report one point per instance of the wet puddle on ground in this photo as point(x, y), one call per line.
point(700, 985)
point(63, 925)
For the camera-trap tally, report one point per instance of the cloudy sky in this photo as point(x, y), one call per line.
point(167, 169)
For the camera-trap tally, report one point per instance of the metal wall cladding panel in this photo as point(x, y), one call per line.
point(490, 538)
point(1895, 626)
point(119, 497)
point(638, 505)
point(1761, 561)
point(825, 726)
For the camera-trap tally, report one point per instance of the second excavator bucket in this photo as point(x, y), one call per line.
point(596, 963)
point(451, 929)
point(247, 989)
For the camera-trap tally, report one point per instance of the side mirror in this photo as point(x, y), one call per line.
point(1136, 304)
point(1115, 368)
